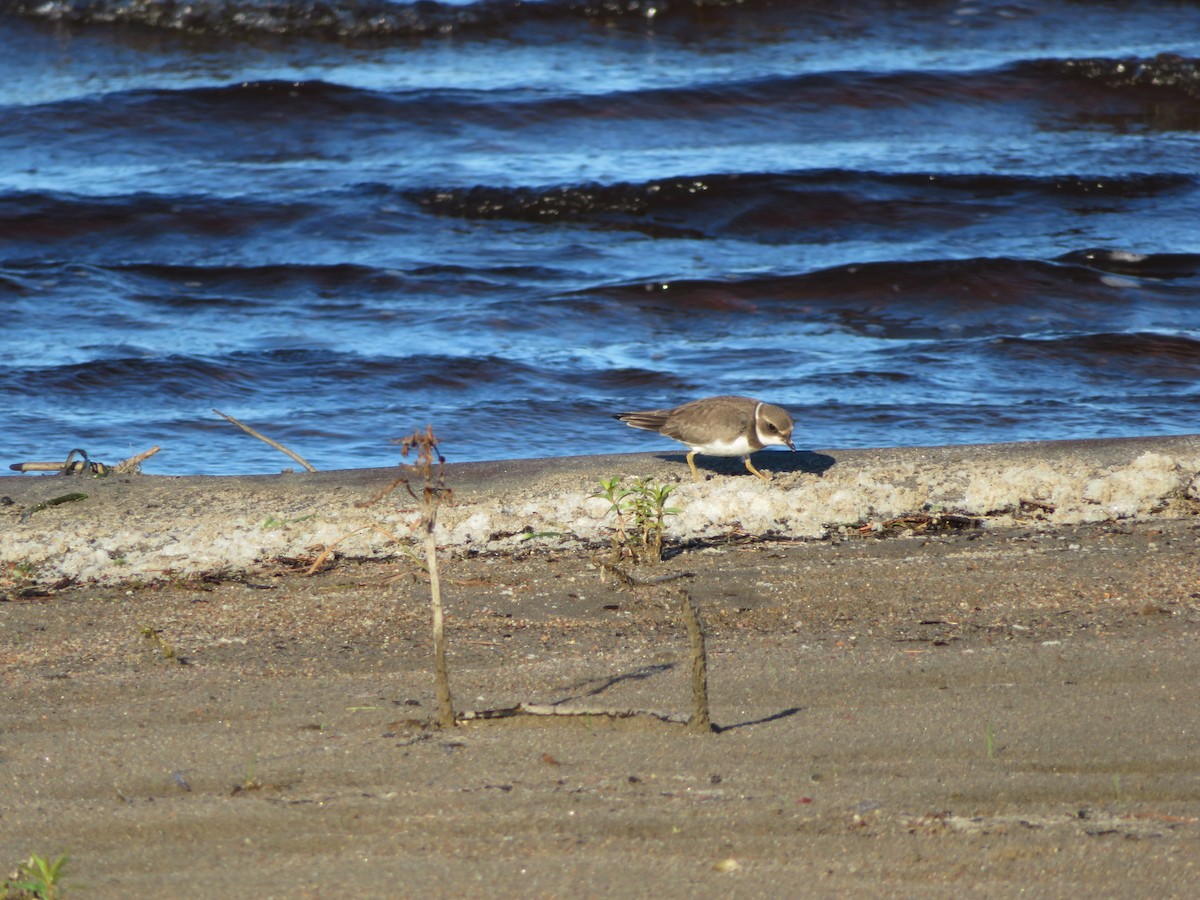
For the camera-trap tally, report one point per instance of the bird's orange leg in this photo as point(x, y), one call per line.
point(754, 471)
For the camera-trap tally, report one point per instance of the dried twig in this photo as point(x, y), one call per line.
point(535, 709)
point(266, 440)
point(125, 466)
point(328, 549)
point(434, 493)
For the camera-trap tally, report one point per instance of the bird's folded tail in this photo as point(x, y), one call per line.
point(651, 420)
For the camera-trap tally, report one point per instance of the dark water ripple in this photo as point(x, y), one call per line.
point(357, 19)
point(383, 21)
point(1156, 90)
point(793, 206)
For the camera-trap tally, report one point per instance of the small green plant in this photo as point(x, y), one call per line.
point(17, 576)
point(38, 878)
point(640, 510)
point(154, 641)
point(988, 740)
point(532, 535)
point(612, 493)
point(250, 780)
point(272, 523)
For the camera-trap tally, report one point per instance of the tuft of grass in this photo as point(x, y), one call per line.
point(38, 878)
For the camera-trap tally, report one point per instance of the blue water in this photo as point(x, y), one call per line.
point(909, 223)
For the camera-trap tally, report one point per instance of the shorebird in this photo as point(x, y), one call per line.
point(719, 426)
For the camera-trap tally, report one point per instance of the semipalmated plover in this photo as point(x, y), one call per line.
point(719, 426)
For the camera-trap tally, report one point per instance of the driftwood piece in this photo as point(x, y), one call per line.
point(125, 466)
point(538, 709)
point(39, 466)
point(266, 440)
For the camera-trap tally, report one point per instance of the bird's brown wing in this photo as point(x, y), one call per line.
point(694, 423)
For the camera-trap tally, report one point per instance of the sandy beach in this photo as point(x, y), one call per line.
point(932, 670)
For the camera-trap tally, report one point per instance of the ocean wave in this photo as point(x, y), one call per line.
point(1173, 357)
point(784, 205)
point(382, 20)
point(925, 299)
point(975, 282)
point(244, 373)
point(1160, 94)
point(32, 217)
point(1167, 72)
point(127, 371)
point(1141, 265)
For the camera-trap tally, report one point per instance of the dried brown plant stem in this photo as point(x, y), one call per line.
point(325, 551)
point(700, 720)
point(440, 672)
point(266, 440)
point(434, 493)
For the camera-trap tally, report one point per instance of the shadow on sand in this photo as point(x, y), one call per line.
point(592, 687)
point(776, 461)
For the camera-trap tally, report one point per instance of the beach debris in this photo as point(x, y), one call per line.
point(133, 463)
point(266, 440)
point(72, 466)
point(53, 501)
point(85, 465)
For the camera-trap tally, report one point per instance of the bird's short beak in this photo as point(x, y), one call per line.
point(790, 444)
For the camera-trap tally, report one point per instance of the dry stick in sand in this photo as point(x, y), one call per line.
point(266, 440)
point(435, 491)
point(548, 709)
point(700, 720)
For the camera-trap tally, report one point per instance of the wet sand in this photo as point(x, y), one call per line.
point(923, 700)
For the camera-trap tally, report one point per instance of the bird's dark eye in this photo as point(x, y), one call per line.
point(772, 427)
